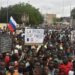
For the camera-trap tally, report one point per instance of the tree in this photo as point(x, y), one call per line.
point(54, 20)
point(73, 13)
point(18, 10)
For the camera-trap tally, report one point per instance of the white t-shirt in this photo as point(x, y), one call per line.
point(15, 51)
point(71, 73)
point(27, 64)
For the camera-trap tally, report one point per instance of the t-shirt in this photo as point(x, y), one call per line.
point(27, 64)
point(71, 73)
point(7, 59)
point(16, 72)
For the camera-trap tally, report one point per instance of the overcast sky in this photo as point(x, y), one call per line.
point(59, 7)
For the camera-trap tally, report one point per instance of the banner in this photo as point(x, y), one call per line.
point(2, 25)
point(5, 43)
point(34, 36)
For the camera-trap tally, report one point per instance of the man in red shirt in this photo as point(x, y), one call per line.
point(64, 68)
point(7, 60)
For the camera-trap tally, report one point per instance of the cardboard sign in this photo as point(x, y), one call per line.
point(34, 36)
point(5, 43)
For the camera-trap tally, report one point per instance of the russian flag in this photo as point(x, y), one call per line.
point(12, 24)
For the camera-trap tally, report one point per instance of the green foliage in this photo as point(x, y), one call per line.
point(17, 12)
point(73, 13)
point(54, 21)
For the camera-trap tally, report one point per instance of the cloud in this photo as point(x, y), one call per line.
point(59, 7)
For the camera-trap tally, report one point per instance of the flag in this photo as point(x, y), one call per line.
point(12, 24)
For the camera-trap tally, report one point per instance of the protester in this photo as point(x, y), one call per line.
point(72, 71)
point(7, 60)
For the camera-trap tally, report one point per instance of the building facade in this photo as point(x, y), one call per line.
point(49, 18)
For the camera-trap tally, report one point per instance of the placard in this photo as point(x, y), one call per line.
point(34, 36)
point(5, 43)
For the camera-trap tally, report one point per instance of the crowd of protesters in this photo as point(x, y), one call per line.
point(54, 57)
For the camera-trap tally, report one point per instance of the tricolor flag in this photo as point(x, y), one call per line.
point(12, 24)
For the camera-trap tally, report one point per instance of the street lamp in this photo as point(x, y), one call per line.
point(25, 19)
point(7, 10)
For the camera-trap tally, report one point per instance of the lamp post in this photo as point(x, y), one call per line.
point(7, 10)
point(25, 19)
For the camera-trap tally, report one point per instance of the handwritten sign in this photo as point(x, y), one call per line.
point(34, 36)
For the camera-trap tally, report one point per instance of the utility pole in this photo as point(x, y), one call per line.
point(70, 15)
point(7, 10)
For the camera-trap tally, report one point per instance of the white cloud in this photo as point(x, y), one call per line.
point(59, 7)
